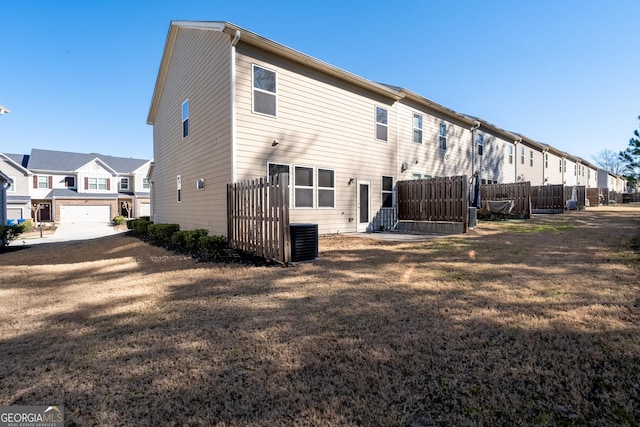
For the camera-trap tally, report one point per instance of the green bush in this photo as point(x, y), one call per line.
point(139, 227)
point(188, 241)
point(119, 220)
point(160, 234)
point(212, 247)
point(8, 233)
point(25, 226)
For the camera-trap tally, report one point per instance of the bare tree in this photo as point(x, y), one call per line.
point(609, 161)
point(127, 207)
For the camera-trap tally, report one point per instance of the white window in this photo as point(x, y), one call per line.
point(522, 155)
point(480, 139)
point(442, 138)
point(124, 183)
point(511, 154)
point(98, 184)
point(546, 160)
point(12, 186)
point(275, 169)
point(185, 119)
point(560, 164)
point(531, 158)
point(43, 181)
point(303, 187)
point(382, 124)
point(326, 188)
point(264, 91)
point(417, 128)
point(179, 188)
point(145, 183)
point(93, 184)
point(387, 191)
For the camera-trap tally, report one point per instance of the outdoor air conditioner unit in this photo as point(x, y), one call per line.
point(304, 242)
point(473, 217)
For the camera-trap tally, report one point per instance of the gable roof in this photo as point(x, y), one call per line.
point(51, 160)
point(241, 35)
point(18, 161)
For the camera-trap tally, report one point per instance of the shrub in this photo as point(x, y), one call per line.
point(211, 247)
point(139, 227)
point(8, 233)
point(160, 234)
point(119, 220)
point(25, 226)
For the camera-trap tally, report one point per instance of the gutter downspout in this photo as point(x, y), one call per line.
point(234, 42)
point(474, 172)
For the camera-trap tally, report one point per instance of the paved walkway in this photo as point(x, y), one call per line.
point(71, 232)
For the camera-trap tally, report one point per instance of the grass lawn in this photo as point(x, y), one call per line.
point(528, 322)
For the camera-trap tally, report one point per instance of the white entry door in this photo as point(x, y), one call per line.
point(363, 205)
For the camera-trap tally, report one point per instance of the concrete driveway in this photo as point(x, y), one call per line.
point(67, 232)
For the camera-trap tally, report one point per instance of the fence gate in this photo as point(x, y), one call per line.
point(258, 217)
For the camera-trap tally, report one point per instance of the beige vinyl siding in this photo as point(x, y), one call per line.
point(552, 174)
point(570, 176)
point(199, 71)
point(526, 172)
point(21, 183)
point(323, 123)
point(493, 165)
point(592, 177)
point(427, 158)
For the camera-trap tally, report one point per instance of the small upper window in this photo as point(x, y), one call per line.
point(185, 119)
point(70, 181)
point(387, 191)
point(546, 160)
point(43, 181)
point(560, 164)
point(145, 183)
point(511, 154)
point(522, 155)
point(264, 91)
point(417, 128)
point(382, 123)
point(12, 185)
point(124, 183)
point(531, 158)
point(480, 144)
point(442, 138)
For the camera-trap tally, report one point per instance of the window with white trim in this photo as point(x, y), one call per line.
point(326, 188)
point(179, 188)
point(387, 191)
point(124, 183)
point(264, 91)
point(442, 136)
point(303, 187)
point(511, 154)
point(546, 160)
point(417, 128)
point(12, 185)
point(145, 183)
point(185, 119)
point(276, 168)
point(522, 155)
point(382, 124)
point(531, 158)
point(43, 181)
point(480, 139)
point(560, 165)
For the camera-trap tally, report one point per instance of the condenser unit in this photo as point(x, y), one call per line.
point(304, 242)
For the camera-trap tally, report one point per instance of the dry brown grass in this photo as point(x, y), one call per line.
point(516, 323)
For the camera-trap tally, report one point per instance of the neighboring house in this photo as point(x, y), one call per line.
point(57, 186)
point(230, 105)
point(5, 182)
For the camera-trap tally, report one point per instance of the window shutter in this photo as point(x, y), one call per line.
point(50, 182)
point(35, 181)
point(108, 184)
point(86, 183)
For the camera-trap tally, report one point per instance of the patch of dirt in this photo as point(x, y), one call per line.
point(524, 322)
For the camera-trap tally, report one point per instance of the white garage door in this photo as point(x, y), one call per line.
point(145, 209)
point(70, 214)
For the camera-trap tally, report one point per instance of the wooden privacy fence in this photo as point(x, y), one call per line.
point(598, 196)
point(547, 198)
point(581, 195)
point(258, 217)
point(519, 192)
point(434, 199)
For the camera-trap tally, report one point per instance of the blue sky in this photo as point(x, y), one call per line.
point(79, 76)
